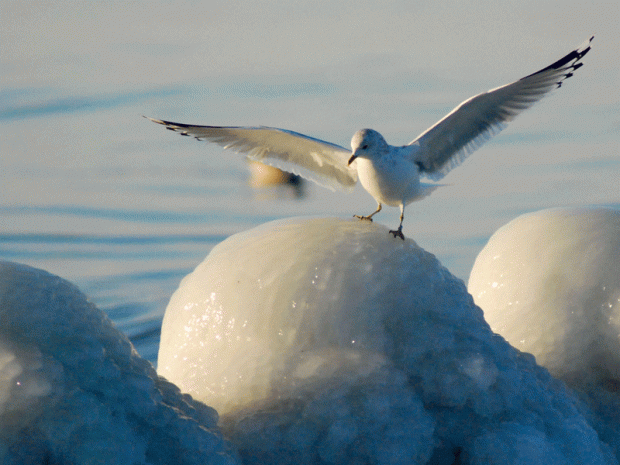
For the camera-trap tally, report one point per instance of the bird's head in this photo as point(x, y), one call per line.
point(367, 143)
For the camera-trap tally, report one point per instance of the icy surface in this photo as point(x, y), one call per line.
point(549, 282)
point(329, 341)
point(73, 390)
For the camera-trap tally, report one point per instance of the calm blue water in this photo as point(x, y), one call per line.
point(93, 192)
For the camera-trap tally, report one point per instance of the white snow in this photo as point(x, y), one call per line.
point(329, 341)
point(319, 341)
point(74, 391)
point(549, 282)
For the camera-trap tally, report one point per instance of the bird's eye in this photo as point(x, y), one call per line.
point(364, 147)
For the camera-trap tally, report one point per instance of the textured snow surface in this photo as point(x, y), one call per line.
point(74, 391)
point(549, 282)
point(329, 341)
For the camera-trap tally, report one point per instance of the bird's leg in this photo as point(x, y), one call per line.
point(399, 232)
point(369, 217)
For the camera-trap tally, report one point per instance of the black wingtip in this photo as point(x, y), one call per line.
point(421, 167)
point(158, 121)
point(570, 62)
point(175, 127)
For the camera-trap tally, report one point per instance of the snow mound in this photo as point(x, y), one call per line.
point(330, 341)
point(74, 391)
point(549, 282)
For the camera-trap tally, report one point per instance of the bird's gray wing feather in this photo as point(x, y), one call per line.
point(322, 162)
point(447, 143)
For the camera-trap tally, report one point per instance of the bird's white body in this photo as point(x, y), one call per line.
point(389, 180)
point(389, 173)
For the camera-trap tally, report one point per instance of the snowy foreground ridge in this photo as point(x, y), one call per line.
point(74, 391)
point(317, 340)
point(329, 341)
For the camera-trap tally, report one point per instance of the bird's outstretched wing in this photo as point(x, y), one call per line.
point(447, 143)
point(322, 162)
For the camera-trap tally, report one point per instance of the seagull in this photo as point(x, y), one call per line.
point(391, 174)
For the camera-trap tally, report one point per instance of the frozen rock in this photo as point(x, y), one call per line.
point(330, 341)
point(74, 391)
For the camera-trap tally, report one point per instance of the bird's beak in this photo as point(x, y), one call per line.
point(353, 157)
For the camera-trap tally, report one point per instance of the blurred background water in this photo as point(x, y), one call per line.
point(93, 192)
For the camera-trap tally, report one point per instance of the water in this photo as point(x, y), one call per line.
point(93, 192)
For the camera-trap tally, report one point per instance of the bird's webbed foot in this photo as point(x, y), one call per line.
point(369, 217)
point(398, 233)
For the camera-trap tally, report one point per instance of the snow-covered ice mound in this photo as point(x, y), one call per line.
point(330, 341)
point(549, 282)
point(74, 391)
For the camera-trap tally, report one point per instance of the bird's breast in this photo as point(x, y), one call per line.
point(391, 182)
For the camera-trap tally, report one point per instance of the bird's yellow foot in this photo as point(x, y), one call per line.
point(398, 233)
point(369, 217)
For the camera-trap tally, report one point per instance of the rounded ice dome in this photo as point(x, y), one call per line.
point(549, 282)
point(74, 391)
point(296, 299)
point(324, 340)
